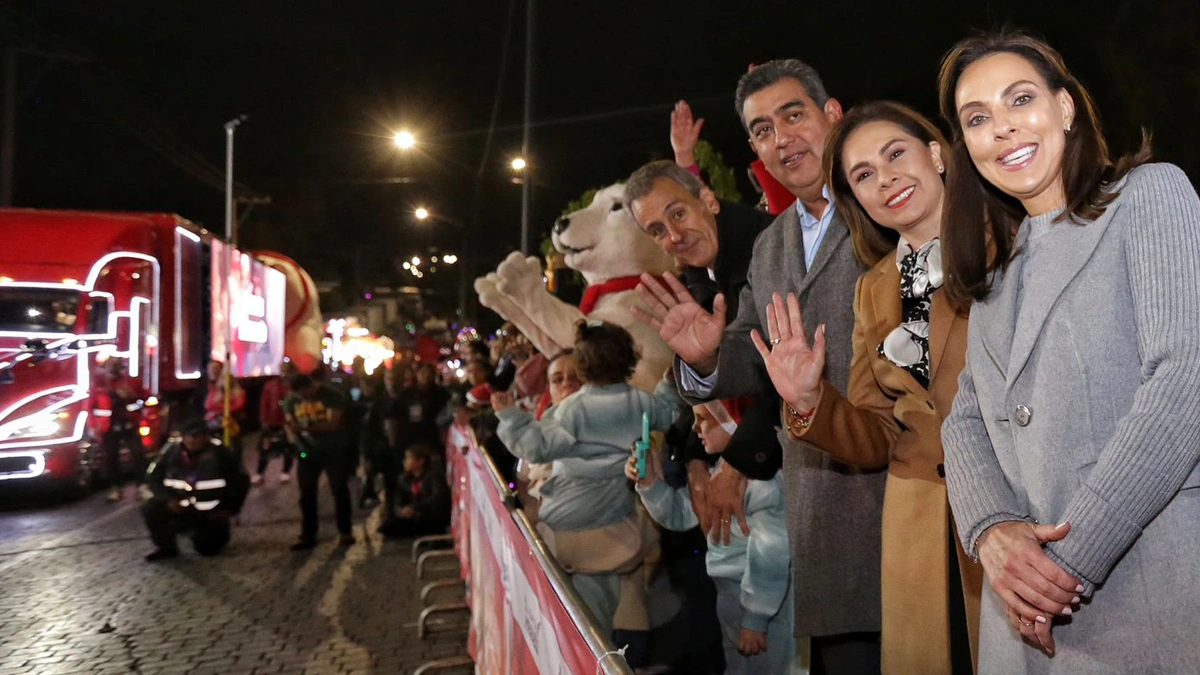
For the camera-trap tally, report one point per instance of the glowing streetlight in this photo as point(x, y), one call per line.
point(449, 258)
point(421, 213)
point(416, 261)
point(518, 164)
point(405, 140)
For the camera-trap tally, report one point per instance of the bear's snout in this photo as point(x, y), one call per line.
point(562, 224)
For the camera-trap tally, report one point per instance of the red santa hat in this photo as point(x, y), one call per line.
point(480, 395)
point(727, 412)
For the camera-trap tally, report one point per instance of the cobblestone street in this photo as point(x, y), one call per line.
point(76, 596)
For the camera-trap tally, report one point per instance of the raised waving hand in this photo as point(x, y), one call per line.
point(685, 133)
point(795, 367)
point(688, 329)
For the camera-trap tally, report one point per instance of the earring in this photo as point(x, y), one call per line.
point(1068, 128)
point(941, 169)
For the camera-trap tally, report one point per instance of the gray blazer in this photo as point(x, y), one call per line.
point(833, 509)
point(1080, 402)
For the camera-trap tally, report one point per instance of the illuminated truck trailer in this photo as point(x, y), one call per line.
point(92, 301)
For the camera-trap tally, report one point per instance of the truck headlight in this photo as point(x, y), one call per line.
point(38, 425)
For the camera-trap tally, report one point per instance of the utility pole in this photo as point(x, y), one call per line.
point(8, 150)
point(527, 179)
point(231, 238)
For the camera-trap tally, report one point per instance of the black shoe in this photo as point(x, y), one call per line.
point(162, 554)
point(303, 544)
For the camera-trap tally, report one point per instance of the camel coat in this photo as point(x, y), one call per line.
point(888, 419)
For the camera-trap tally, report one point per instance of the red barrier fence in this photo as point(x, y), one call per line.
point(526, 617)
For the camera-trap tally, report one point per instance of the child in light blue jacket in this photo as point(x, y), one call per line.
point(586, 503)
point(752, 573)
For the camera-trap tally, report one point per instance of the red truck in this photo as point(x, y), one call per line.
point(86, 297)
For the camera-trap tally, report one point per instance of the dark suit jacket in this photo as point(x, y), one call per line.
point(754, 449)
point(834, 510)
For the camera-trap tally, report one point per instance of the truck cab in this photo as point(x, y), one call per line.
point(81, 316)
point(111, 319)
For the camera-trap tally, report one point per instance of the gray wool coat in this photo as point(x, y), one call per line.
point(833, 509)
point(1080, 402)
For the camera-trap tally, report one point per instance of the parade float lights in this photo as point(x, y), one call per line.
point(348, 340)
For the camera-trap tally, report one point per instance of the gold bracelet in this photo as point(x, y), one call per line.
point(796, 422)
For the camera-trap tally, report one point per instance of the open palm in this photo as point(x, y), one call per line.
point(795, 367)
point(685, 130)
point(688, 329)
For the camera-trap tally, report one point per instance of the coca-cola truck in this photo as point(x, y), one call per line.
point(87, 298)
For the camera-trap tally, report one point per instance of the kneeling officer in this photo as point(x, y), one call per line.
point(197, 486)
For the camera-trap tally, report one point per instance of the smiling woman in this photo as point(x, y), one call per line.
point(884, 165)
point(1077, 405)
point(1032, 132)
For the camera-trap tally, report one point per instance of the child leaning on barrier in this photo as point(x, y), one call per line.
point(588, 516)
point(752, 573)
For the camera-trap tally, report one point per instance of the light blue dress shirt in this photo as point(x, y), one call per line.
point(812, 228)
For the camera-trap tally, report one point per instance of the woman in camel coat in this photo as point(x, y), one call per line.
point(885, 169)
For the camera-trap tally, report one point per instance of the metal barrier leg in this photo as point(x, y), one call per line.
point(422, 629)
point(443, 664)
point(426, 541)
point(432, 555)
point(440, 584)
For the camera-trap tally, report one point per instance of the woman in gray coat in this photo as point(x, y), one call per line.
point(1072, 446)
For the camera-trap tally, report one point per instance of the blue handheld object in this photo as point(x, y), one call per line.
point(643, 446)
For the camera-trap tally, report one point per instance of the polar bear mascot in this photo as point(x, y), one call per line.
point(605, 245)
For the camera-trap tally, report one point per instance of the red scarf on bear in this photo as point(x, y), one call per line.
point(593, 293)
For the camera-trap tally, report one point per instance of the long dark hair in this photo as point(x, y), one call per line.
point(871, 240)
point(980, 221)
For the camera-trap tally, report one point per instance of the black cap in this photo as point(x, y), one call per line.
point(192, 426)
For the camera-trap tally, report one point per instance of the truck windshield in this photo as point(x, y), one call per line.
point(38, 310)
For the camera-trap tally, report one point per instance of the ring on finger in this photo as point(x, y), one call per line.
point(1027, 624)
point(775, 341)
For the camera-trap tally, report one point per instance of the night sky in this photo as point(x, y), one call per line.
point(123, 103)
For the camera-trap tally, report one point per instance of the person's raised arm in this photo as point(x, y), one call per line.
point(527, 438)
point(669, 507)
point(685, 134)
point(859, 430)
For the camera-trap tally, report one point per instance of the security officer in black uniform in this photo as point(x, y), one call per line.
point(198, 485)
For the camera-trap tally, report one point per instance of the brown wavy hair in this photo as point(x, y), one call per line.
point(604, 352)
point(984, 220)
point(871, 240)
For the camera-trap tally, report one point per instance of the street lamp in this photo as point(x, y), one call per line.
point(518, 164)
point(421, 213)
point(405, 140)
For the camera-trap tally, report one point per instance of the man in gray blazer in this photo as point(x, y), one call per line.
point(833, 509)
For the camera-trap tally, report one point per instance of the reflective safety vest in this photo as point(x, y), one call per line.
point(203, 480)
